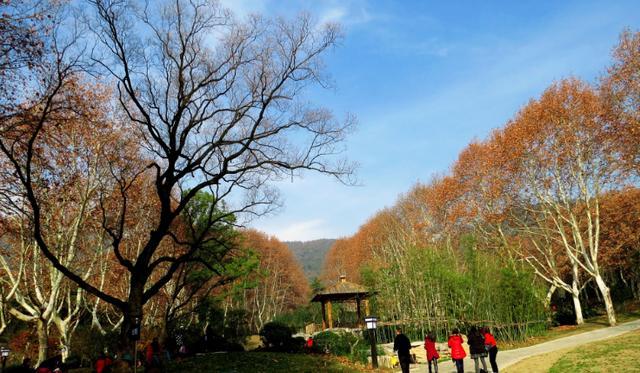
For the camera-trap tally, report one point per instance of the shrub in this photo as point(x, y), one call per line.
point(340, 344)
point(294, 345)
point(216, 343)
point(14, 369)
point(236, 325)
point(88, 343)
point(75, 362)
point(362, 351)
point(191, 336)
point(301, 316)
point(276, 335)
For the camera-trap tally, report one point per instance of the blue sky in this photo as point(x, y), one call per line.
point(426, 78)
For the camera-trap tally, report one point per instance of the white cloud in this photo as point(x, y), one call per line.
point(243, 8)
point(300, 231)
point(333, 15)
point(316, 206)
point(345, 12)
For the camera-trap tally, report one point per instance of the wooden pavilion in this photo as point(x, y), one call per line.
point(342, 291)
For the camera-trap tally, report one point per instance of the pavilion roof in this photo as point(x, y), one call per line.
point(342, 290)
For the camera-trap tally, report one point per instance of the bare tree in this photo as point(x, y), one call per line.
point(24, 26)
point(218, 107)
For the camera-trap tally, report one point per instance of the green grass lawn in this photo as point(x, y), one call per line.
point(255, 362)
point(593, 323)
point(618, 354)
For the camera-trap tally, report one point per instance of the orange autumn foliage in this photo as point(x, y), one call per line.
point(280, 283)
point(348, 255)
point(620, 89)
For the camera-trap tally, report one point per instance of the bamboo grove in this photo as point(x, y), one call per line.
point(547, 203)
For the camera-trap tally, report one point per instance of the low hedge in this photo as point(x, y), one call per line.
point(277, 336)
point(339, 344)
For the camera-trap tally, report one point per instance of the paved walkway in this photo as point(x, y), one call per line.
point(510, 357)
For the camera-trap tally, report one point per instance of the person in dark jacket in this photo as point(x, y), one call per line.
point(491, 345)
point(475, 340)
point(402, 345)
point(25, 367)
point(52, 364)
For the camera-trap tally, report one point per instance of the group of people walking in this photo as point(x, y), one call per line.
point(481, 343)
point(152, 358)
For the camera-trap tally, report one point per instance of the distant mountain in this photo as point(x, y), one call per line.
point(311, 254)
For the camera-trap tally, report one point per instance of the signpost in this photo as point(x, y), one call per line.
point(372, 324)
point(135, 337)
point(4, 353)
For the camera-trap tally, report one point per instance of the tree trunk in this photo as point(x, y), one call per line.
point(3, 320)
point(95, 323)
point(132, 316)
point(547, 300)
point(65, 339)
point(575, 294)
point(606, 297)
point(65, 348)
point(43, 341)
point(163, 330)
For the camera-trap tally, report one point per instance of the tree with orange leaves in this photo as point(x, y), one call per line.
point(545, 188)
point(69, 175)
point(620, 237)
point(485, 192)
point(620, 88)
point(347, 255)
point(276, 286)
point(562, 161)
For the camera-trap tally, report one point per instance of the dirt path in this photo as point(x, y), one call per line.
point(510, 357)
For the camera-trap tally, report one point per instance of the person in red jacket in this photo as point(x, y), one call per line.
point(457, 351)
point(492, 347)
point(152, 354)
point(102, 363)
point(432, 353)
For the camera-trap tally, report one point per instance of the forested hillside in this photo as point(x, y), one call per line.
point(311, 254)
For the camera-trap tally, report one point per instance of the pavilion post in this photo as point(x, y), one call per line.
point(329, 315)
point(366, 307)
point(358, 312)
point(324, 316)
